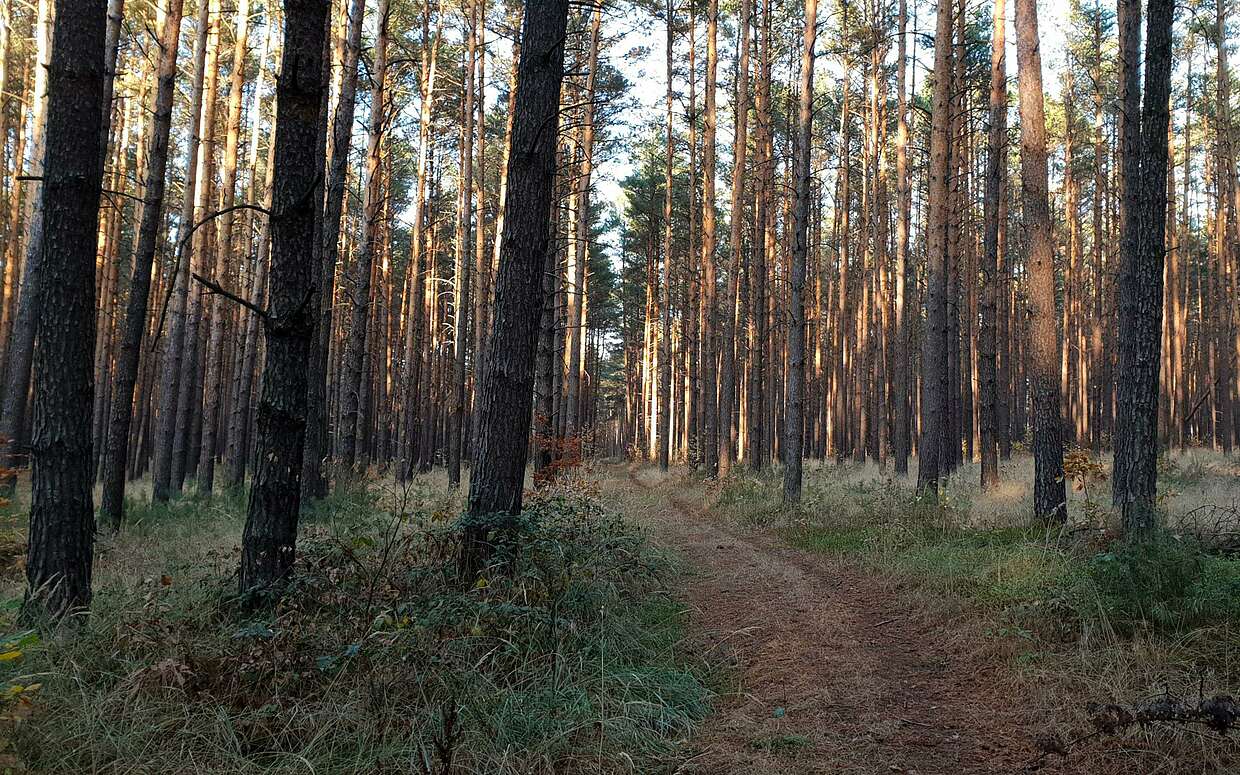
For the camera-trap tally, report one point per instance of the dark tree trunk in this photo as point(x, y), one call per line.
point(116, 451)
point(1141, 287)
point(794, 399)
point(506, 393)
point(269, 543)
point(353, 408)
point(996, 154)
point(1049, 492)
point(62, 525)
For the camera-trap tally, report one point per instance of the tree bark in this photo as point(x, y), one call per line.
point(794, 401)
point(116, 452)
point(995, 167)
point(461, 271)
point(1141, 288)
point(352, 408)
point(710, 343)
point(214, 369)
point(269, 541)
point(731, 311)
point(1049, 493)
point(506, 393)
point(62, 525)
point(934, 379)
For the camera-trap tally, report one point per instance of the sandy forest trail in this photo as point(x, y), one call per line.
point(836, 671)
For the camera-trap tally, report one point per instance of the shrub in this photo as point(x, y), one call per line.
point(1160, 582)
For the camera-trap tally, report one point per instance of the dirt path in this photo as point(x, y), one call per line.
point(838, 673)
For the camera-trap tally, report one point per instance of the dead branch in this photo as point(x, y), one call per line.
point(218, 290)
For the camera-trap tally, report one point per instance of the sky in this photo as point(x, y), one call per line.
point(636, 30)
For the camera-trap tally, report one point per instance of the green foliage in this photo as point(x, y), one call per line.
point(1160, 582)
point(564, 656)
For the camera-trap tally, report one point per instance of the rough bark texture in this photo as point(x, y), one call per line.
point(710, 343)
point(665, 314)
point(116, 452)
point(269, 542)
point(62, 520)
point(1141, 289)
point(794, 400)
point(995, 166)
point(507, 390)
point(1049, 494)
point(934, 381)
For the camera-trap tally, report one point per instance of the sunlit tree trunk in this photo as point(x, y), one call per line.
point(934, 379)
point(359, 290)
point(1049, 495)
point(461, 281)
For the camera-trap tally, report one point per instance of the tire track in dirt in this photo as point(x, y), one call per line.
point(837, 672)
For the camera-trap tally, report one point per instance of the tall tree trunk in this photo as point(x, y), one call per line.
point(239, 426)
point(665, 334)
point(116, 451)
point(62, 524)
point(20, 350)
point(934, 380)
point(314, 479)
point(1141, 283)
point(359, 291)
point(764, 245)
point(710, 343)
point(417, 328)
point(461, 272)
point(578, 248)
point(1049, 493)
point(731, 310)
point(214, 369)
point(189, 403)
point(171, 363)
point(506, 393)
point(996, 150)
point(269, 542)
point(794, 401)
point(904, 187)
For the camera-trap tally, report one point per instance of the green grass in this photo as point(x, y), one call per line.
point(996, 566)
point(568, 657)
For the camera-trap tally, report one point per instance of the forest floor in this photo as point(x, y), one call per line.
point(838, 671)
point(841, 665)
point(644, 623)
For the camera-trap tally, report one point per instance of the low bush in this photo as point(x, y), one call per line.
point(1160, 582)
point(563, 656)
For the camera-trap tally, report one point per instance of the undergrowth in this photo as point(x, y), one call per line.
point(563, 657)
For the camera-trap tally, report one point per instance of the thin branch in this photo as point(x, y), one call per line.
point(215, 288)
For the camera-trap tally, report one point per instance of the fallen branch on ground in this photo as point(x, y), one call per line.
point(1220, 713)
